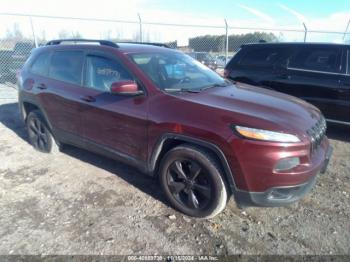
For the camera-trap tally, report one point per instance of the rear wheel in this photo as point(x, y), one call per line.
point(191, 180)
point(40, 136)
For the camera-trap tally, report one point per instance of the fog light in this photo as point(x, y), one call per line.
point(287, 163)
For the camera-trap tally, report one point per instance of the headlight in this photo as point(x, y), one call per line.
point(265, 135)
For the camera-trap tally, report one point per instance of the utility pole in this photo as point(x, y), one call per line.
point(305, 32)
point(140, 24)
point(226, 44)
point(346, 30)
point(34, 36)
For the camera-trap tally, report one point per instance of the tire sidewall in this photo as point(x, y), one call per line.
point(219, 193)
point(50, 141)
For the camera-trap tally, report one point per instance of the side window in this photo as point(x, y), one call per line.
point(67, 66)
point(40, 66)
point(101, 72)
point(325, 59)
point(262, 57)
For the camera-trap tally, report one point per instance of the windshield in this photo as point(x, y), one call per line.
point(177, 71)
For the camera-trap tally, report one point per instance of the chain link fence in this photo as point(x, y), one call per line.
point(212, 45)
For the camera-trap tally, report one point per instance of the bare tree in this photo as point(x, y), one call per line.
point(14, 32)
point(63, 34)
point(76, 35)
point(42, 38)
point(107, 34)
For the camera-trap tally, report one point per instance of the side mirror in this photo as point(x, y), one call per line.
point(129, 88)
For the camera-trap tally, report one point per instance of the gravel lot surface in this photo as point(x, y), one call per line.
point(76, 202)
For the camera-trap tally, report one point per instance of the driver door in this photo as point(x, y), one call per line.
point(113, 123)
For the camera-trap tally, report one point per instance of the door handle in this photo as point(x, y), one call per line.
point(41, 86)
point(88, 99)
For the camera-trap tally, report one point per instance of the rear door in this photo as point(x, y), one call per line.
point(60, 93)
point(313, 74)
point(114, 122)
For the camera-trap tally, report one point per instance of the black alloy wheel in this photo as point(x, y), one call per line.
point(39, 134)
point(192, 181)
point(189, 184)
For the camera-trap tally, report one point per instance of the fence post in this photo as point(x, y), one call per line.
point(140, 24)
point(33, 32)
point(305, 34)
point(346, 30)
point(226, 44)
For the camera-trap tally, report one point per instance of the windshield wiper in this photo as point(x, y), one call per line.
point(226, 83)
point(187, 90)
point(198, 90)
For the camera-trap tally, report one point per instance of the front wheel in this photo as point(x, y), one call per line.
point(191, 180)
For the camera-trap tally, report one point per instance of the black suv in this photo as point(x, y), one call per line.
point(317, 73)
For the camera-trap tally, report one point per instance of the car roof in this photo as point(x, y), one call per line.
point(142, 48)
point(296, 44)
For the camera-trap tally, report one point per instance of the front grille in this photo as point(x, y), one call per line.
point(317, 133)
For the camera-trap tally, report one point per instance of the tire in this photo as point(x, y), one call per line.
point(191, 180)
point(39, 134)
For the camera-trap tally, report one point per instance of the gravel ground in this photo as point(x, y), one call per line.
point(76, 202)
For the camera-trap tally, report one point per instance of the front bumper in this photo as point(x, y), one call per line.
point(280, 196)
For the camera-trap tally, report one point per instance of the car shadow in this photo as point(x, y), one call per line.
point(143, 182)
point(10, 118)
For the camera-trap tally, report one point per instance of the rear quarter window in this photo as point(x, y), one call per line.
point(67, 66)
point(40, 66)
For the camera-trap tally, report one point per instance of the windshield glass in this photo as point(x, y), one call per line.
point(177, 71)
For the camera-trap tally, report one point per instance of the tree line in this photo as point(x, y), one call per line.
point(217, 43)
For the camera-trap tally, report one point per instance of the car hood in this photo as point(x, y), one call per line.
point(260, 108)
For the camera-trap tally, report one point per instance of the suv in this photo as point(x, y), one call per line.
point(170, 116)
point(317, 73)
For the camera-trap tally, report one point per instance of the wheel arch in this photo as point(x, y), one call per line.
point(169, 141)
point(27, 106)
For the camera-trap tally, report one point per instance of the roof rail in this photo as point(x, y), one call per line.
point(147, 43)
point(101, 42)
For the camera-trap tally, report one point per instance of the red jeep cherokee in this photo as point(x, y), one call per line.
point(170, 116)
